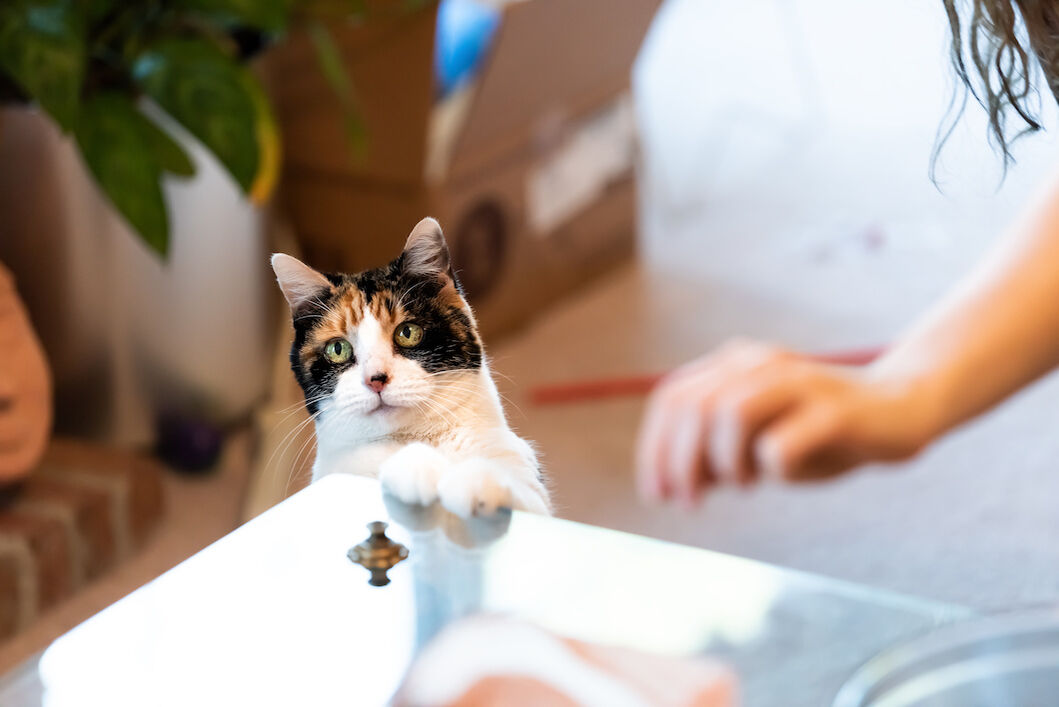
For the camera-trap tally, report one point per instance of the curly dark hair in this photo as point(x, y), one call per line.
point(998, 46)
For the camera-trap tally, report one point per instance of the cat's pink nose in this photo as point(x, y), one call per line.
point(378, 381)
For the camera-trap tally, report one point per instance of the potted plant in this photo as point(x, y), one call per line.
point(154, 102)
point(92, 64)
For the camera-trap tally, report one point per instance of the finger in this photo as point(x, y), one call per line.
point(801, 445)
point(698, 381)
point(740, 417)
point(681, 422)
point(654, 445)
point(688, 472)
point(651, 445)
point(824, 465)
point(737, 354)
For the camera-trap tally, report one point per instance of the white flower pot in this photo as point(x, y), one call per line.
point(127, 334)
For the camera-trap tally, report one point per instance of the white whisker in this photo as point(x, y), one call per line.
point(288, 440)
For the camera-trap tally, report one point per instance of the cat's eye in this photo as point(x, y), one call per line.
point(408, 335)
point(338, 351)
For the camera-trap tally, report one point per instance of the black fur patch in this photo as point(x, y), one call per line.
point(317, 376)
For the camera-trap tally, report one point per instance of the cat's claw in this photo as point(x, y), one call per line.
point(411, 474)
point(481, 487)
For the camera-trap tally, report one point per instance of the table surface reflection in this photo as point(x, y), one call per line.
point(275, 613)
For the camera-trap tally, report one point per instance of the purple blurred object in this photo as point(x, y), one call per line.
point(188, 445)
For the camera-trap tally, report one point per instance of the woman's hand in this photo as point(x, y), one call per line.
point(751, 411)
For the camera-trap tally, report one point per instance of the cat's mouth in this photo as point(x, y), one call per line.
point(383, 408)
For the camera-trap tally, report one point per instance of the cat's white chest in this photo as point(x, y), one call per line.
point(362, 460)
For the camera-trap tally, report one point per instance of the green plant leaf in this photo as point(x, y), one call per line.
point(97, 9)
point(334, 72)
point(269, 15)
point(42, 48)
point(170, 155)
point(208, 93)
point(115, 141)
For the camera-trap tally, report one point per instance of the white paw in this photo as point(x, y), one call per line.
point(411, 474)
point(481, 486)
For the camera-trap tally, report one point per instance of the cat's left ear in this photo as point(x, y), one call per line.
point(300, 283)
point(425, 252)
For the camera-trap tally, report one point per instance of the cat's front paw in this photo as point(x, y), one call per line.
point(411, 474)
point(481, 486)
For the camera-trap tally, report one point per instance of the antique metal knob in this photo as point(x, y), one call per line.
point(378, 554)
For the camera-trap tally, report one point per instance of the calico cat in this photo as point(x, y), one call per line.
point(396, 379)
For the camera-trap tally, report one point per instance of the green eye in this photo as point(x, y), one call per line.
point(338, 351)
point(408, 335)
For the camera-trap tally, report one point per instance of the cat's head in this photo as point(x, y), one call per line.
point(384, 347)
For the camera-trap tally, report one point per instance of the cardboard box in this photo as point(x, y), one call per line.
point(529, 168)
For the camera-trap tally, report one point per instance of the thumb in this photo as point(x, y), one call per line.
point(802, 446)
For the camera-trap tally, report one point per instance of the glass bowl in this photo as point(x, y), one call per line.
point(1009, 660)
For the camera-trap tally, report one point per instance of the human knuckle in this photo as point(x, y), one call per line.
point(773, 354)
point(834, 417)
point(737, 349)
point(661, 398)
point(734, 404)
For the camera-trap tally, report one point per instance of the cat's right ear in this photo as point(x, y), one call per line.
point(300, 283)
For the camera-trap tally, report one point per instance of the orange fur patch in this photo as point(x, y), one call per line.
point(344, 315)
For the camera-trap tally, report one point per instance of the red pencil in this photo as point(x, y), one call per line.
point(600, 388)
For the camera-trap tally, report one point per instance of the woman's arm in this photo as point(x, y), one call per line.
point(749, 410)
point(997, 331)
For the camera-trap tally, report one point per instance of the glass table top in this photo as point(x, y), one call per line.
point(275, 613)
